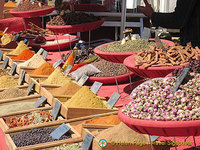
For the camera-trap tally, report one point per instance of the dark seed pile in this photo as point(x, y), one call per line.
point(28, 5)
point(73, 19)
point(193, 65)
point(36, 136)
point(107, 68)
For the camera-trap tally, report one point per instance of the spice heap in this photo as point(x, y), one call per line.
point(107, 120)
point(156, 101)
point(175, 55)
point(45, 69)
point(57, 77)
point(11, 45)
point(5, 39)
point(7, 81)
point(107, 68)
point(85, 98)
point(130, 46)
point(17, 106)
point(28, 119)
point(12, 92)
point(4, 72)
point(122, 133)
point(9, 5)
point(21, 46)
point(24, 55)
point(34, 62)
point(73, 18)
point(68, 89)
point(36, 136)
point(28, 6)
point(74, 146)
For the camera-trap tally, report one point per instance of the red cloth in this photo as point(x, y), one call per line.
point(3, 145)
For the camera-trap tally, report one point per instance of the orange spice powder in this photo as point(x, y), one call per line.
point(24, 55)
point(45, 69)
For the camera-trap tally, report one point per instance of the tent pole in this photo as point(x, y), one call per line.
point(123, 18)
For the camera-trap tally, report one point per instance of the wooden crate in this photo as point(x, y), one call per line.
point(75, 138)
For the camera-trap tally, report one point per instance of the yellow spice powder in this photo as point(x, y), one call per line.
point(5, 39)
point(7, 81)
point(85, 98)
point(21, 46)
point(57, 77)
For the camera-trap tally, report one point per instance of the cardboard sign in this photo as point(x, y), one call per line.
point(40, 101)
point(41, 50)
point(153, 138)
point(30, 88)
point(21, 77)
point(5, 63)
point(69, 68)
point(112, 100)
point(60, 131)
point(56, 109)
point(13, 69)
point(95, 87)
point(180, 79)
point(146, 33)
point(1, 55)
point(159, 43)
point(87, 141)
point(82, 80)
point(16, 37)
point(44, 55)
point(57, 63)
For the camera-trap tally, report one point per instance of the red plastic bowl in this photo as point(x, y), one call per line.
point(32, 13)
point(65, 45)
point(151, 72)
point(162, 128)
point(118, 57)
point(90, 7)
point(111, 80)
point(76, 28)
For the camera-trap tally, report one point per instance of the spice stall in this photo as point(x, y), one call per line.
point(57, 94)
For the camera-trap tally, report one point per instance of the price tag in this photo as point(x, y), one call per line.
point(40, 101)
point(44, 55)
point(1, 55)
point(153, 138)
point(21, 77)
point(41, 50)
point(13, 69)
point(69, 68)
point(5, 30)
point(159, 43)
point(57, 63)
point(30, 88)
point(56, 109)
point(16, 37)
point(180, 79)
point(87, 141)
point(95, 87)
point(25, 41)
point(146, 33)
point(82, 80)
point(112, 100)
point(18, 2)
point(60, 131)
point(5, 63)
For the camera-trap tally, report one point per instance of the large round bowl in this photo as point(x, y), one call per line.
point(151, 72)
point(32, 13)
point(162, 128)
point(52, 47)
point(76, 28)
point(111, 80)
point(118, 57)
